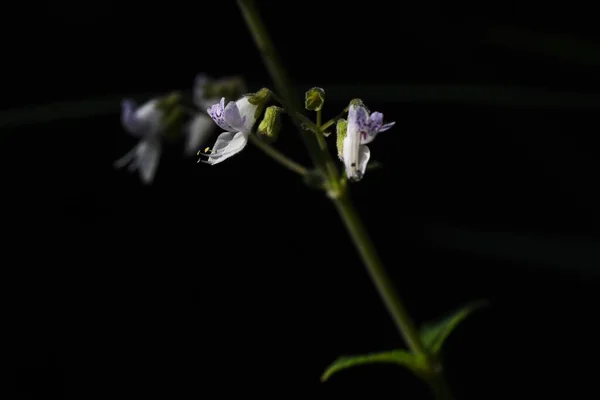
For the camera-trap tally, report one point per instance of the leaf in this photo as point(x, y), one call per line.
point(398, 357)
point(433, 335)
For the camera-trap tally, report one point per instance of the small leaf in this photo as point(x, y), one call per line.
point(434, 334)
point(398, 357)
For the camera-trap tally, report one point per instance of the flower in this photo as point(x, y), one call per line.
point(237, 118)
point(362, 128)
point(144, 122)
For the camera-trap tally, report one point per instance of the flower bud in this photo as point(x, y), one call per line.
point(270, 126)
point(259, 99)
point(314, 99)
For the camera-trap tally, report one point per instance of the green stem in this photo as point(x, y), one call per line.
point(339, 196)
point(334, 120)
point(278, 156)
point(278, 74)
point(439, 387)
point(388, 294)
point(380, 278)
point(319, 117)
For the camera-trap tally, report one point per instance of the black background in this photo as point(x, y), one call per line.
point(237, 278)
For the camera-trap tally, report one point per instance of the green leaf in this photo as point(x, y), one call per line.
point(433, 335)
point(398, 357)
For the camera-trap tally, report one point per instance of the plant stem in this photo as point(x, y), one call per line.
point(319, 117)
point(278, 156)
point(334, 120)
point(380, 278)
point(388, 294)
point(341, 199)
point(278, 74)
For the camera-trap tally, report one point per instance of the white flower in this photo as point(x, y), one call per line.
point(362, 129)
point(237, 118)
point(144, 122)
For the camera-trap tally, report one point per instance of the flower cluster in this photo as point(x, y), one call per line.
point(166, 117)
point(214, 106)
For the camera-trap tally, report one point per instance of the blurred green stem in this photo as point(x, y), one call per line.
point(340, 197)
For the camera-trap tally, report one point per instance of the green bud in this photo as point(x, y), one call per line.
point(259, 99)
point(341, 128)
point(359, 103)
point(270, 126)
point(314, 99)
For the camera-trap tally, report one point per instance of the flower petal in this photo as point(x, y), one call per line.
point(126, 159)
point(362, 118)
point(387, 126)
point(232, 117)
point(375, 121)
point(148, 155)
point(227, 145)
point(198, 130)
point(350, 147)
point(216, 113)
point(150, 118)
point(128, 117)
point(375, 126)
point(364, 155)
point(247, 113)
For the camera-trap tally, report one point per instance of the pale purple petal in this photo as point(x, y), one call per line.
point(232, 116)
point(362, 118)
point(129, 119)
point(375, 126)
point(216, 112)
point(375, 121)
point(387, 126)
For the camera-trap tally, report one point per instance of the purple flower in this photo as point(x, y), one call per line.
point(362, 129)
point(237, 118)
point(144, 122)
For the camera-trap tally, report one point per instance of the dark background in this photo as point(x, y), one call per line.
point(237, 278)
